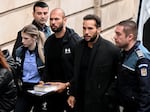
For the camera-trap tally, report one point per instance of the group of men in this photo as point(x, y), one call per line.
point(92, 74)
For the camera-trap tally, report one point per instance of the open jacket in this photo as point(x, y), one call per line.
point(98, 84)
point(20, 55)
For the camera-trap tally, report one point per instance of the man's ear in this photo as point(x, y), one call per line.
point(131, 36)
point(65, 19)
point(98, 30)
point(33, 14)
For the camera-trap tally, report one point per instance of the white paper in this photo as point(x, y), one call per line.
point(39, 91)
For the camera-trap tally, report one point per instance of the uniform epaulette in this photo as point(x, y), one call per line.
point(139, 53)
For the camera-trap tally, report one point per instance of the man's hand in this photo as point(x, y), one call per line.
point(71, 101)
point(41, 82)
point(60, 86)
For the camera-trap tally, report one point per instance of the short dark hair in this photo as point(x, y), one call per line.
point(40, 4)
point(130, 27)
point(93, 17)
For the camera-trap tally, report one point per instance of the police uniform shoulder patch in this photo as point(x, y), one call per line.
point(143, 69)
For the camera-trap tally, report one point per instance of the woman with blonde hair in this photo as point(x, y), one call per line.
point(31, 59)
point(7, 86)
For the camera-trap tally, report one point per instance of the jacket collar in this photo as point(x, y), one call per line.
point(67, 36)
point(132, 49)
point(38, 26)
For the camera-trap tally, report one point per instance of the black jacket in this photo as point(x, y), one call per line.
point(7, 91)
point(68, 43)
point(92, 91)
point(59, 65)
point(11, 61)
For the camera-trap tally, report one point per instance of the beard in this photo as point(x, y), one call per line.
point(93, 38)
point(59, 29)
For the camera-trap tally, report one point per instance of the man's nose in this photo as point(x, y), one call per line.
point(22, 41)
point(86, 31)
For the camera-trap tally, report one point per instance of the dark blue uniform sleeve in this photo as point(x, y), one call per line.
point(143, 70)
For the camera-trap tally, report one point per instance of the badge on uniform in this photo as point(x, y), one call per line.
point(144, 71)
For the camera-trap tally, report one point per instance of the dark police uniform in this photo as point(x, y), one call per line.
point(134, 79)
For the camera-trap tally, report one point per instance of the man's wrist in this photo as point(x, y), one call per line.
point(67, 85)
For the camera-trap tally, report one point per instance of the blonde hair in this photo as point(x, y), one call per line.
point(33, 31)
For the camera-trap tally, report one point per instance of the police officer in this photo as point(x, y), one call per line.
point(40, 15)
point(134, 69)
